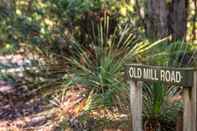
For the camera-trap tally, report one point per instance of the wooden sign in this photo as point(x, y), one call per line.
point(174, 76)
point(186, 77)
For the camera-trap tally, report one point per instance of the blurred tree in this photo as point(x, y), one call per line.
point(166, 17)
point(194, 21)
point(178, 16)
point(8, 6)
point(157, 19)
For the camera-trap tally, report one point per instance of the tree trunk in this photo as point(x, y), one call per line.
point(166, 18)
point(179, 121)
point(157, 19)
point(8, 6)
point(178, 19)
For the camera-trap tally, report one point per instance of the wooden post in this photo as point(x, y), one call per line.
point(185, 77)
point(187, 121)
point(194, 103)
point(190, 103)
point(136, 105)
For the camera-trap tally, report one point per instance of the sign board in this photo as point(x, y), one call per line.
point(186, 77)
point(173, 76)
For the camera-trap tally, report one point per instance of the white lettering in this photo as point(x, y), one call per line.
point(145, 73)
point(152, 74)
point(173, 76)
point(162, 77)
point(178, 77)
point(139, 73)
point(131, 71)
point(155, 75)
point(135, 73)
point(167, 76)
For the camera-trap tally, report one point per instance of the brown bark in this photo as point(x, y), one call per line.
point(157, 19)
point(179, 121)
point(164, 19)
point(178, 19)
point(194, 30)
point(8, 6)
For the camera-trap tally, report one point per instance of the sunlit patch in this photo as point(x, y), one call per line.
point(18, 12)
point(49, 22)
point(5, 87)
point(8, 46)
point(22, 2)
point(41, 4)
point(123, 11)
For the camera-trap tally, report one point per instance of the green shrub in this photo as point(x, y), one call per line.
point(158, 111)
point(100, 66)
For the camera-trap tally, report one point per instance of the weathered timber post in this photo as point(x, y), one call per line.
point(190, 103)
point(187, 114)
point(185, 77)
point(194, 103)
point(136, 104)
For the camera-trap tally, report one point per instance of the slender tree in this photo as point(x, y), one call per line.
point(157, 19)
point(8, 6)
point(166, 17)
point(178, 18)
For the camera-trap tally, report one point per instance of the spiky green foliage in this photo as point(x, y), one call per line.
point(158, 97)
point(172, 54)
point(100, 65)
point(157, 105)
